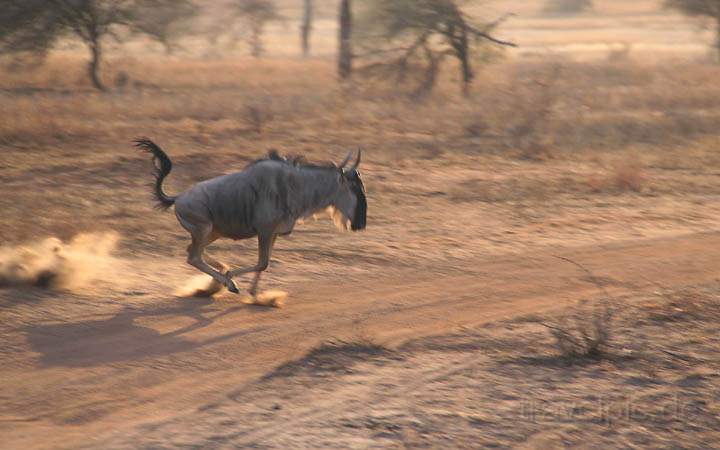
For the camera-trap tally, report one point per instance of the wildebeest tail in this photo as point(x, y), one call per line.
point(163, 166)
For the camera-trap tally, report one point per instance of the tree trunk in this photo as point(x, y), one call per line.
point(463, 52)
point(256, 44)
point(345, 51)
point(94, 65)
point(306, 27)
point(428, 84)
point(717, 36)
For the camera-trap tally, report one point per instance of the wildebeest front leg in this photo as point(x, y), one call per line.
point(265, 243)
point(256, 278)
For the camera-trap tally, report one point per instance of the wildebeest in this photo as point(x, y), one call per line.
point(265, 199)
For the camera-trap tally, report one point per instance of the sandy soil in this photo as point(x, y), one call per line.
point(454, 243)
point(424, 331)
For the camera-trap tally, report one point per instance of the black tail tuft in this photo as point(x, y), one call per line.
point(163, 166)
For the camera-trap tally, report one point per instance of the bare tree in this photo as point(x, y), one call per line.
point(345, 52)
point(403, 32)
point(306, 27)
point(37, 25)
point(257, 14)
point(701, 8)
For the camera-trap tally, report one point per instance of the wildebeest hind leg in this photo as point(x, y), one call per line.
point(218, 265)
point(201, 238)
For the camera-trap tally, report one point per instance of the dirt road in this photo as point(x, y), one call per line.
point(77, 369)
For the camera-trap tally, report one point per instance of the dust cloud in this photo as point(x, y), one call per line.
point(205, 286)
point(272, 298)
point(199, 286)
point(54, 264)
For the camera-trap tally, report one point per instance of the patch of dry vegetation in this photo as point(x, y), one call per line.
point(532, 139)
point(584, 333)
point(534, 109)
point(625, 175)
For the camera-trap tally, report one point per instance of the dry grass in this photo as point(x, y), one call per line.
point(590, 122)
point(534, 109)
point(629, 177)
point(624, 175)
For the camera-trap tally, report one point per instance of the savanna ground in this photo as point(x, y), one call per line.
point(595, 141)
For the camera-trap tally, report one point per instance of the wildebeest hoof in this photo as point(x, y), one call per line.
point(232, 288)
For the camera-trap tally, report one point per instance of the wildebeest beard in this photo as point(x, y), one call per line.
point(360, 216)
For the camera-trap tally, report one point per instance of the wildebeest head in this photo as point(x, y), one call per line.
point(351, 201)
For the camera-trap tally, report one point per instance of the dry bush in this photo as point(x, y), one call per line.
point(597, 184)
point(620, 55)
point(532, 131)
point(258, 116)
point(475, 126)
point(625, 176)
point(686, 305)
point(628, 176)
point(586, 333)
point(519, 113)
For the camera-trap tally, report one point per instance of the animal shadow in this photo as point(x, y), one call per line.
point(121, 338)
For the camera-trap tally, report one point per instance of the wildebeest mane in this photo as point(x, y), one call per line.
point(293, 160)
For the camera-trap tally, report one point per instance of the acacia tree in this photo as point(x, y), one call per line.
point(164, 21)
point(37, 25)
point(404, 32)
point(257, 14)
point(701, 8)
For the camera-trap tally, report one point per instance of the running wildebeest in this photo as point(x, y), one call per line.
point(265, 199)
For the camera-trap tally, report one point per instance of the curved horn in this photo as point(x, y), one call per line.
point(346, 160)
point(357, 161)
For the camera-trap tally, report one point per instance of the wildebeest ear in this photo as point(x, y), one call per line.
point(274, 155)
point(357, 161)
point(346, 160)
